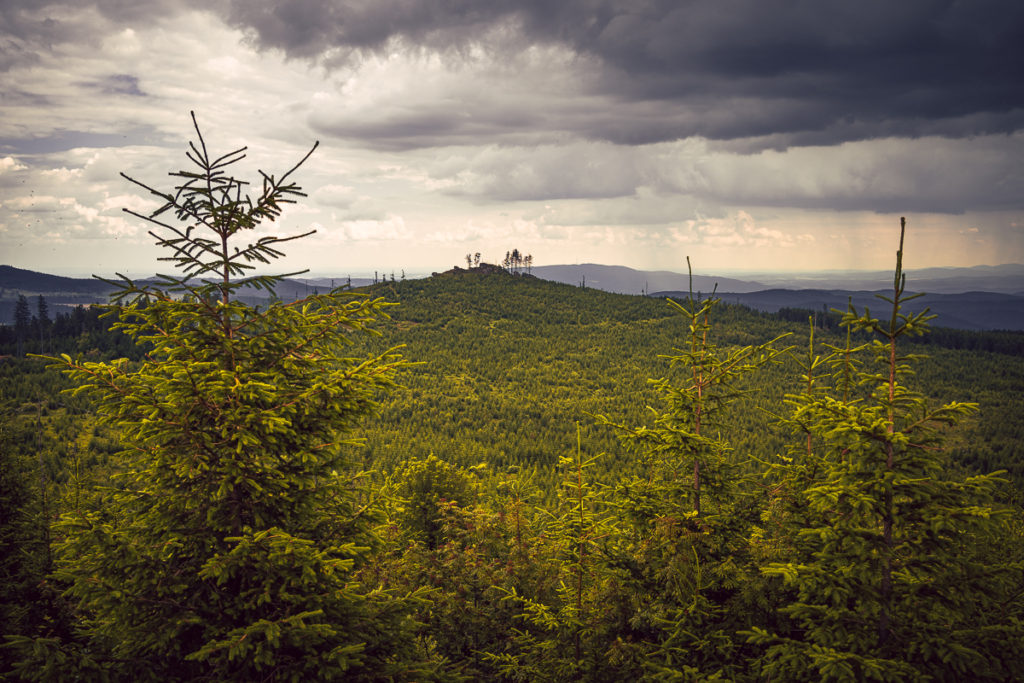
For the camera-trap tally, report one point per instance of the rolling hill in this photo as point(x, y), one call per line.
point(964, 311)
point(980, 298)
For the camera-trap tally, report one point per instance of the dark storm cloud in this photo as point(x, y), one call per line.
point(772, 73)
point(310, 28)
point(798, 72)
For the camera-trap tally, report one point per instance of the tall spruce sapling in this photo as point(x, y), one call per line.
point(685, 448)
point(561, 638)
point(227, 550)
point(801, 467)
point(679, 558)
point(885, 546)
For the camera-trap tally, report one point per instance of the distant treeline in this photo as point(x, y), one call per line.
point(80, 330)
point(83, 330)
point(1010, 342)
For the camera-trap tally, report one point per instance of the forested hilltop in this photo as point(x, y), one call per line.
point(499, 478)
point(510, 364)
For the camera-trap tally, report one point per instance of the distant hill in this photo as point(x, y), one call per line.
point(65, 292)
point(965, 311)
point(623, 280)
point(980, 298)
point(1007, 279)
point(30, 282)
point(61, 293)
point(510, 362)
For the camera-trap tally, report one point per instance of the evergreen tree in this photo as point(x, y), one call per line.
point(22, 322)
point(43, 316)
point(560, 636)
point(685, 447)
point(886, 550)
point(227, 550)
point(678, 594)
point(429, 487)
point(28, 605)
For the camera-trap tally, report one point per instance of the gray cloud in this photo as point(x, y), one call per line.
point(473, 116)
point(31, 27)
point(64, 140)
point(932, 174)
point(313, 28)
point(118, 84)
point(759, 73)
point(798, 73)
point(576, 171)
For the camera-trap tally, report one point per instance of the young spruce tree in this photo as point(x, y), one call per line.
point(889, 556)
point(679, 561)
point(227, 551)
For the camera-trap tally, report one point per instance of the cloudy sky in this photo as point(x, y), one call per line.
point(746, 134)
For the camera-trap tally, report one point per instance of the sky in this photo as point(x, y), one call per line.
point(748, 135)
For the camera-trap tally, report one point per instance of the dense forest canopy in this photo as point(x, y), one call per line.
point(549, 483)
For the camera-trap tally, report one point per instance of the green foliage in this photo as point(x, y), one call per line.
point(881, 546)
point(431, 487)
point(27, 604)
point(228, 547)
point(484, 554)
point(558, 635)
point(684, 541)
point(687, 437)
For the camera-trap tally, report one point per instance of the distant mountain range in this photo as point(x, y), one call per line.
point(980, 298)
point(1006, 279)
point(965, 311)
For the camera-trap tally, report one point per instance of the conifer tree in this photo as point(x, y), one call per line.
point(22, 322)
point(678, 558)
point(43, 317)
point(886, 553)
point(227, 550)
point(685, 448)
point(559, 637)
point(428, 487)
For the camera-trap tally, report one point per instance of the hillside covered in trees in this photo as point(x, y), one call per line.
point(470, 481)
point(501, 478)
